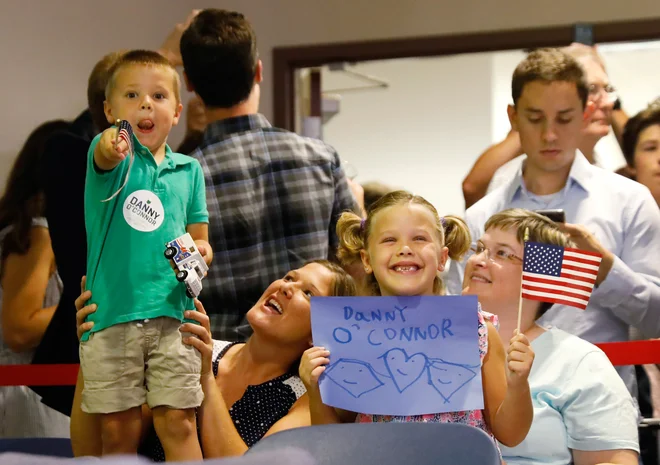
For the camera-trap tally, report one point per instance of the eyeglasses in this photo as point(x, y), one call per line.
point(596, 90)
point(497, 256)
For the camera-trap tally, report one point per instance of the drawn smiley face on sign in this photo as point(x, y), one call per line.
point(447, 378)
point(354, 376)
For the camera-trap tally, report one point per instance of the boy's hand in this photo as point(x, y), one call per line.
point(110, 151)
point(519, 359)
point(312, 365)
point(205, 251)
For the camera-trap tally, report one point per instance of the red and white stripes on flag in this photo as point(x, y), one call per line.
point(559, 275)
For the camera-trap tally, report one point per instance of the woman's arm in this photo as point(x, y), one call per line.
point(507, 399)
point(605, 457)
point(24, 282)
point(475, 185)
point(219, 435)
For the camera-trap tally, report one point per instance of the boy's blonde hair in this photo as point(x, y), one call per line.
point(354, 233)
point(541, 229)
point(145, 58)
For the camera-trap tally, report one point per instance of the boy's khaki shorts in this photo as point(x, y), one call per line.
point(144, 361)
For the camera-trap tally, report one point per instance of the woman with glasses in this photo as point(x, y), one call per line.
point(583, 413)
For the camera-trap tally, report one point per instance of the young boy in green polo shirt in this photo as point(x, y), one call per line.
point(136, 337)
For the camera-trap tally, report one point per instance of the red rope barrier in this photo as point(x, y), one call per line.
point(38, 375)
point(632, 352)
point(619, 353)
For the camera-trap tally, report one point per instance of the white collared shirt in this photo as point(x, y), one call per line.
point(508, 171)
point(625, 219)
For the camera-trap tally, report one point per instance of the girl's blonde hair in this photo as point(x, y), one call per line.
point(353, 233)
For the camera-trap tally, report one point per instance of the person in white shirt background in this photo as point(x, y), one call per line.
point(605, 212)
point(500, 162)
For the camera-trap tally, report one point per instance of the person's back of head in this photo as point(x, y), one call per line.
point(373, 191)
point(548, 65)
point(23, 197)
point(96, 84)
point(220, 59)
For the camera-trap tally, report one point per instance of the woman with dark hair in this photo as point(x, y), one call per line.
point(251, 389)
point(29, 287)
point(641, 147)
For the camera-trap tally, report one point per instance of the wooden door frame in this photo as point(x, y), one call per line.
point(287, 59)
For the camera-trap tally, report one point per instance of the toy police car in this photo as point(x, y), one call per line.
point(189, 263)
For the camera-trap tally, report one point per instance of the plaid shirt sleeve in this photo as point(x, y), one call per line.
point(198, 212)
point(344, 201)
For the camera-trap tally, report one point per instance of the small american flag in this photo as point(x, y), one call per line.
point(559, 275)
point(125, 132)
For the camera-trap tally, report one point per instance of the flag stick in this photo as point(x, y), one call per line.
point(526, 238)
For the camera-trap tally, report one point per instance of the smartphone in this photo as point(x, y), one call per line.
point(583, 34)
point(558, 215)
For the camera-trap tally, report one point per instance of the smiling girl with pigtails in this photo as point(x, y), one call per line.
point(403, 245)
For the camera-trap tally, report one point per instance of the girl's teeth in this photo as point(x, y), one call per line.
point(405, 268)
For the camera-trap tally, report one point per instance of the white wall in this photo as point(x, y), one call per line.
point(421, 134)
point(504, 63)
point(47, 48)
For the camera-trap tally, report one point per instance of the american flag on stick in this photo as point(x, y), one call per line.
point(125, 132)
point(559, 275)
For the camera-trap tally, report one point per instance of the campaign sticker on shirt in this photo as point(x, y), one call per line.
point(143, 211)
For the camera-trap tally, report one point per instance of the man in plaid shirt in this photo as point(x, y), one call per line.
point(273, 197)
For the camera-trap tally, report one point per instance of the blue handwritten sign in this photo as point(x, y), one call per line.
point(399, 355)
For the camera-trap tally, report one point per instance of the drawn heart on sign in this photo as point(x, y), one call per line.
point(403, 369)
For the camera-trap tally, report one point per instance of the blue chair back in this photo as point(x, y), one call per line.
point(388, 443)
point(54, 447)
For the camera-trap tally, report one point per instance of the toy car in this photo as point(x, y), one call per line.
point(189, 263)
